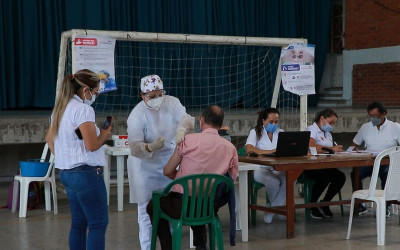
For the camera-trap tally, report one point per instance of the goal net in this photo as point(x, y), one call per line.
point(240, 74)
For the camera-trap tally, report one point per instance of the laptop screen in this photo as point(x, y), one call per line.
point(293, 143)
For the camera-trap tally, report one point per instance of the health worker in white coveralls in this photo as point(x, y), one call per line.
point(155, 126)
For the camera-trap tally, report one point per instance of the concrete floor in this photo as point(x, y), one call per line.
point(44, 230)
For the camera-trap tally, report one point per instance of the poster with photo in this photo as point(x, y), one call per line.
point(298, 69)
point(97, 54)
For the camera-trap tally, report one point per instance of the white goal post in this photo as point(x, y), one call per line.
point(133, 36)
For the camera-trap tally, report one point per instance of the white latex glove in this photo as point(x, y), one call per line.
point(180, 135)
point(157, 144)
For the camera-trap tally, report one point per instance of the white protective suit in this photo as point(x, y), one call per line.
point(145, 169)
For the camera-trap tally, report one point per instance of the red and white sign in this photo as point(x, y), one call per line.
point(120, 140)
point(86, 41)
point(95, 53)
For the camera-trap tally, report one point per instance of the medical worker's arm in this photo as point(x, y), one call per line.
point(186, 124)
point(185, 121)
point(170, 168)
point(136, 138)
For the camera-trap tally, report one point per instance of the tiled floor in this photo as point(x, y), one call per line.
point(44, 230)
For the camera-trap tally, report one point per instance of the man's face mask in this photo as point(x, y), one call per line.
point(375, 120)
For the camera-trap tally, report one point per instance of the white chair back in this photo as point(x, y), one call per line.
point(375, 171)
point(392, 187)
point(44, 153)
point(43, 158)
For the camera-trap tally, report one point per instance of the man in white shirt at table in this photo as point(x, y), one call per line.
point(378, 134)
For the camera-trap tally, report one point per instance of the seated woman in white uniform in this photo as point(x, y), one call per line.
point(262, 140)
point(331, 179)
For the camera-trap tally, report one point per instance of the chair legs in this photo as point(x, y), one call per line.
point(22, 186)
point(191, 238)
point(341, 206)
point(307, 197)
point(350, 218)
point(154, 230)
point(23, 198)
point(47, 196)
point(15, 196)
point(176, 235)
point(54, 189)
point(380, 221)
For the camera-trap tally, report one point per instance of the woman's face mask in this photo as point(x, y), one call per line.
point(91, 101)
point(155, 103)
point(271, 128)
point(327, 127)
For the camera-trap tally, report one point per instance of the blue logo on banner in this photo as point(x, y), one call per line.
point(291, 67)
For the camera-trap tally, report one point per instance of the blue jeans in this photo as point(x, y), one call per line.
point(88, 203)
point(367, 172)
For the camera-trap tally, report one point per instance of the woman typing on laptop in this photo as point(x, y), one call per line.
point(263, 140)
point(332, 178)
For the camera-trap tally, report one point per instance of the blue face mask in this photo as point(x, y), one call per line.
point(375, 120)
point(327, 128)
point(271, 128)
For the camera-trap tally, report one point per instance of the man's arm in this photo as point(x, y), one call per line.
point(170, 168)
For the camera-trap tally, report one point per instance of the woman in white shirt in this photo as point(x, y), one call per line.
point(262, 140)
point(76, 141)
point(332, 178)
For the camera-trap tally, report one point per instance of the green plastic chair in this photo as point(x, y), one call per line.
point(197, 208)
point(308, 185)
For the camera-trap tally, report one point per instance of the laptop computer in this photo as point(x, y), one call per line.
point(292, 144)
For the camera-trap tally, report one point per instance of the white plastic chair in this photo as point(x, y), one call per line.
point(391, 192)
point(48, 179)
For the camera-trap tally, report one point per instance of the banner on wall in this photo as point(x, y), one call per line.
point(97, 54)
point(298, 69)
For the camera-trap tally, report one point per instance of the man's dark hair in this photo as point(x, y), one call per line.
point(377, 105)
point(214, 116)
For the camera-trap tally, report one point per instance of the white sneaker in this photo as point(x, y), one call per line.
point(268, 217)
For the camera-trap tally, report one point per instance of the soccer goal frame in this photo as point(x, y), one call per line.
point(187, 38)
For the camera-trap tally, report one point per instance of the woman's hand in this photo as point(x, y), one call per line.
point(105, 134)
point(337, 148)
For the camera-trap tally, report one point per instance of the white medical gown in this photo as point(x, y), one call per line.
point(145, 170)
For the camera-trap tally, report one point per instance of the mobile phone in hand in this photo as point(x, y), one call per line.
point(78, 133)
point(107, 122)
